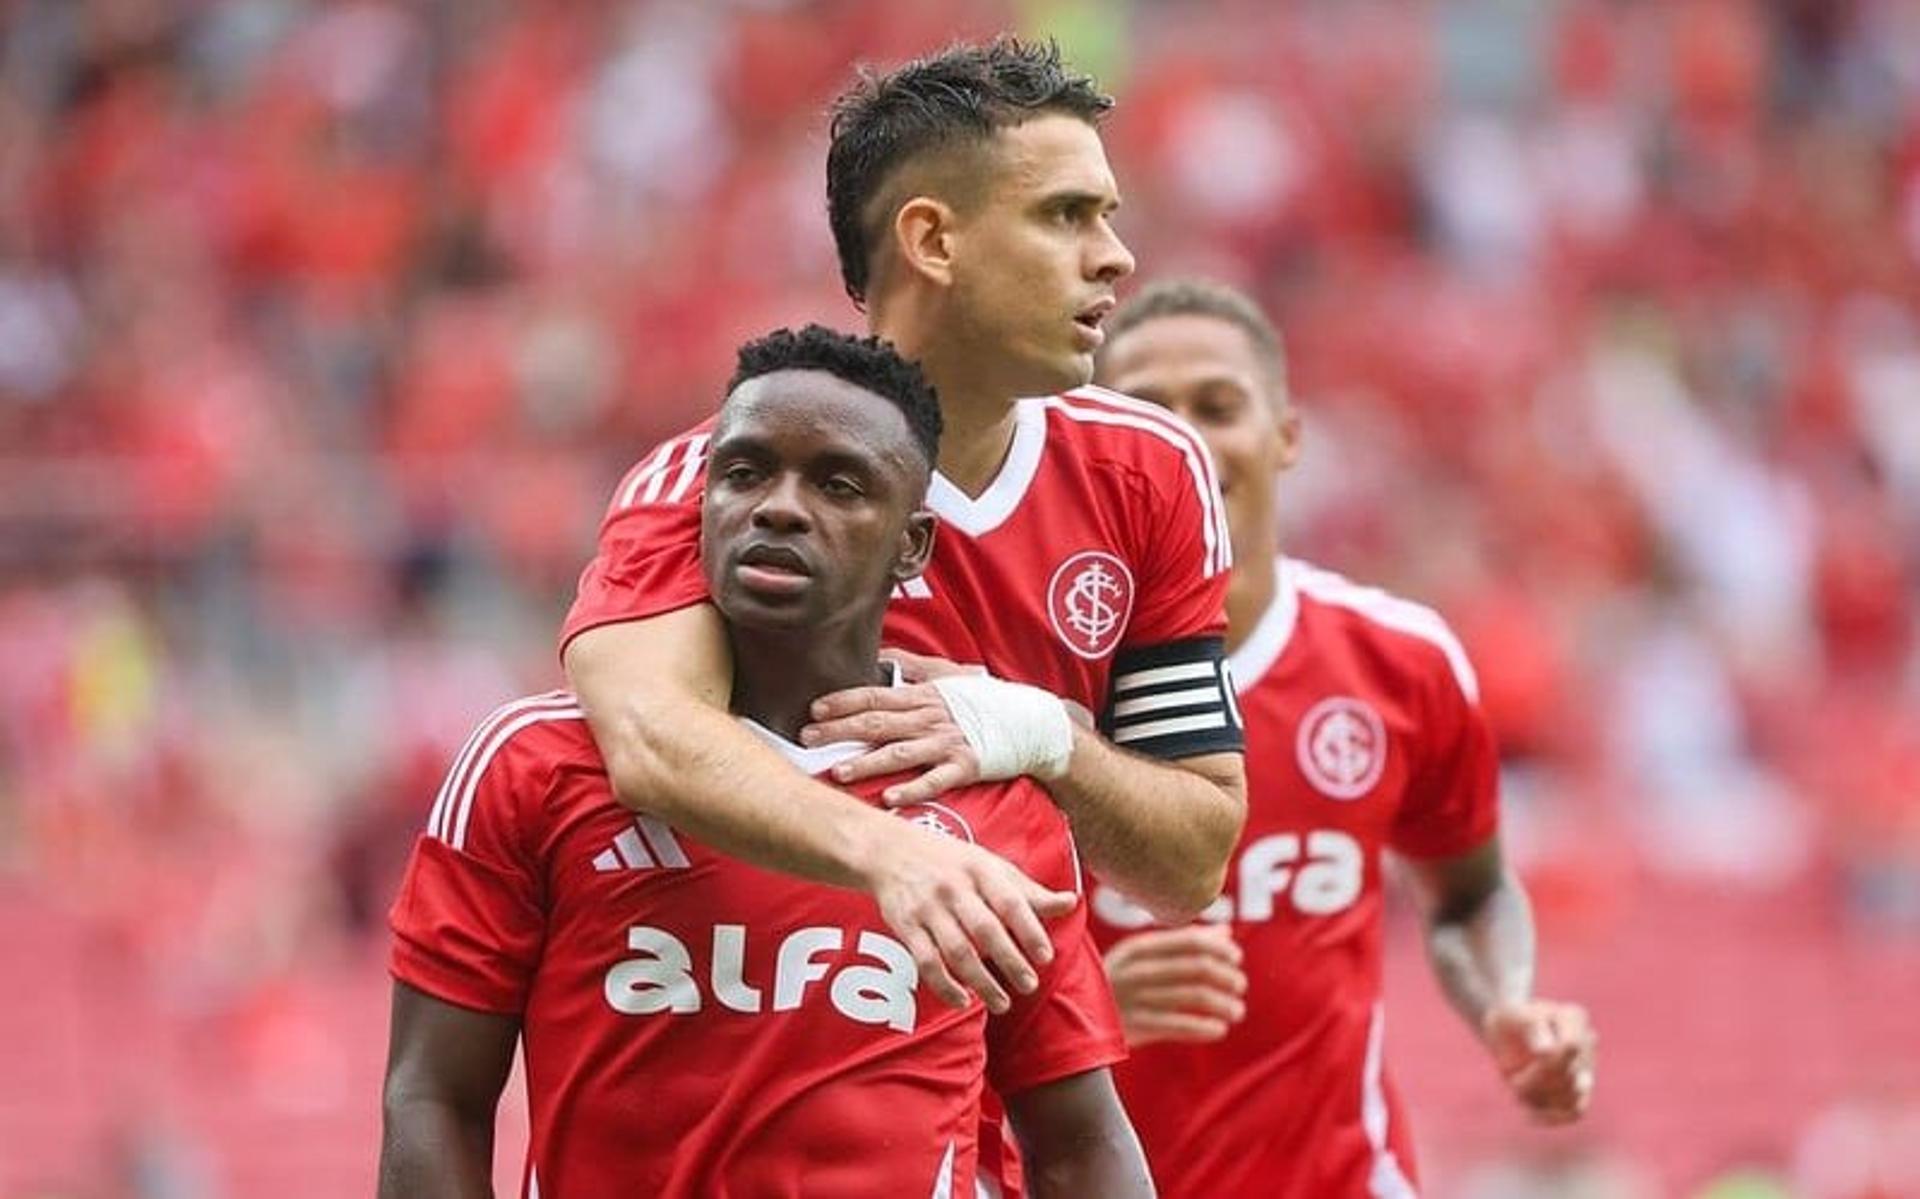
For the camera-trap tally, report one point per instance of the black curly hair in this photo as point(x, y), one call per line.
point(956, 99)
point(865, 362)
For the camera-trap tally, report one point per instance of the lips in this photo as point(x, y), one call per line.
point(775, 557)
point(1094, 313)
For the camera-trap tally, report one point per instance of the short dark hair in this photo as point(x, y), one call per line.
point(866, 362)
point(1204, 297)
point(959, 97)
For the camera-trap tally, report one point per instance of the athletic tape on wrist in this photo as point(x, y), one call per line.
point(1013, 729)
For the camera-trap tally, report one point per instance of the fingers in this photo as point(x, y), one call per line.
point(1021, 912)
point(1191, 999)
point(943, 778)
point(856, 700)
point(877, 726)
point(1149, 971)
point(1174, 1026)
point(1550, 1066)
point(916, 754)
point(918, 668)
point(1210, 940)
point(933, 968)
point(989, 936)
point(964, 961)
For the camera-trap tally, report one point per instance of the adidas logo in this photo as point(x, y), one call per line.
point(649, 844)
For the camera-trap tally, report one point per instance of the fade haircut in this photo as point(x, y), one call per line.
point(1204, 297)
point(868, 363)
point(956, 99)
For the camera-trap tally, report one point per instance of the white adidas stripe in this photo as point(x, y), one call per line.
point(690, 467)
point(649, 466)
point(1171, 428)
point(463, 808)
point(1390, 611)
point(453, 807)
point(1154, 676)
point(650, 480)
point(437, 818)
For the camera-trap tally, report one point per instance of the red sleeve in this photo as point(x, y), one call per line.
point(1186, 561)
point(647, 562)
point(1453, 803)
point(470, 918)
point(1070, 1024)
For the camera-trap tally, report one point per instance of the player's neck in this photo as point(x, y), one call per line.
point(977, 417)
point(1251, 591)
point(777, 674)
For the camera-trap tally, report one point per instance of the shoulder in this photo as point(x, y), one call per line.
point(1107, 424)
point(1410, 635)
point(513, 752)
point(669, 472)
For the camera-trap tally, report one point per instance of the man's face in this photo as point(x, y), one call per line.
point(1036, 257)
point(813, 507)
point(1206, 370)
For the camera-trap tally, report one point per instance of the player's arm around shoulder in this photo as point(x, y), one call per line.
point(1075, 1139)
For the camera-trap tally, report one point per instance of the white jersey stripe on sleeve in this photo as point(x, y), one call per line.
point(1392, 612)
point(463, 803)
point(1218, 556)
point(440, 820)
point(690, 467)
point(650, 466)
point(1210, 498)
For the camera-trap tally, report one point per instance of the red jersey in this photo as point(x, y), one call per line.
point(695, 1026)
point(1098, 552)
point(1364, 733)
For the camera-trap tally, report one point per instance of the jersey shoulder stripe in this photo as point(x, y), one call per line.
point(1389, 611)
point(453, 807)
point(1098, 406)
point(668, 474)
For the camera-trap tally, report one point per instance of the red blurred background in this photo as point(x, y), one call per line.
point(326, 329)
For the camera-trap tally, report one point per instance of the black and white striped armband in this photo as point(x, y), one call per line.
point(1174, 700)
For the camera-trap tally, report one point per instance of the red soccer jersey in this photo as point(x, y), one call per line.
point(1364, 733)
point(1101, 539)
point(695, 1026)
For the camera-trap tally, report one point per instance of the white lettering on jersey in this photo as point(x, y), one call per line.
point(882, 990)
point(1329, 880)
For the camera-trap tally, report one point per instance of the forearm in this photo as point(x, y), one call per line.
point(1160, 832)
point(1483, 955)
point(431, 1150)
point(656, 695)
point(1109, 1165)
point(700, 770)
point(1075, 1140)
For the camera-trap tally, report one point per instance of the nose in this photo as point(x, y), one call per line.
point(782, 506)
point(1112, 261)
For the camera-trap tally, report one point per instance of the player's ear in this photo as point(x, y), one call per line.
point(916, 545)
point(1288, 451)
point(923, 233)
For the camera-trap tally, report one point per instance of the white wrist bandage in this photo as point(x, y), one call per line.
point(1013, 729)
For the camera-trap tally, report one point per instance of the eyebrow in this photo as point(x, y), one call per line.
point(1079, 198)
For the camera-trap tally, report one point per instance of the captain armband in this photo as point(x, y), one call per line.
point(1174, 700)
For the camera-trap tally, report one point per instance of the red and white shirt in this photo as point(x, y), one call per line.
point(695, 1026)
point(1090, 565)
point(1364, 733)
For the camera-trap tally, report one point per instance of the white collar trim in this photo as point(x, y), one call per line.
point(1271, 632)
point(978, 517)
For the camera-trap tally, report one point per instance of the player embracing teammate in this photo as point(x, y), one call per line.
point(1069, 626)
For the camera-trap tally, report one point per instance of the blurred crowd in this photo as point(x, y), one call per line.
point(326, 327)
